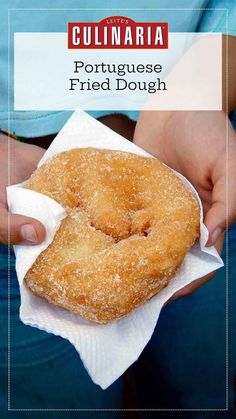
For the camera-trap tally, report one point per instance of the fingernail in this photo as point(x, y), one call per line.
point(216, 233)
point(28, 233)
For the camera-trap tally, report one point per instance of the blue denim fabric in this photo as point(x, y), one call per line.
point(184, 364)
point(46, 371)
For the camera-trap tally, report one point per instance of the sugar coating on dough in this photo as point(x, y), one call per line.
point(130, 222)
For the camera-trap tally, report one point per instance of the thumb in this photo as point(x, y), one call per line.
point(223, 207)
point(219, 213)
point(15, 228)
point(215, 222)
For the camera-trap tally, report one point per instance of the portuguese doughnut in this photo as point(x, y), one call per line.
point(130, 222)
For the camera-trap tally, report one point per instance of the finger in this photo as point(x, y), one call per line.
point(18, 229)
point(215, 218)
point(222, 210)
point(190, 288)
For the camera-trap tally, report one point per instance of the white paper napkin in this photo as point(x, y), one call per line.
point(106, 350)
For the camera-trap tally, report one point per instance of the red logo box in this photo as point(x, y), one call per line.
point(117, 32)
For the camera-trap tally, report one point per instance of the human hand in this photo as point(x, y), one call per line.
point(194, 144)
point(23, 159)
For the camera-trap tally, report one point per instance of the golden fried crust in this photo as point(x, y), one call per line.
point(130, 222)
